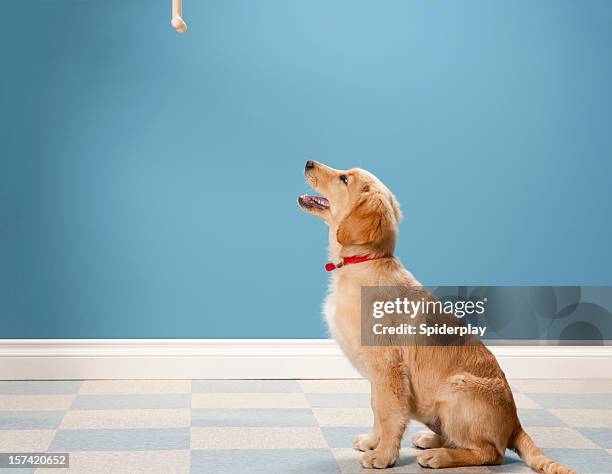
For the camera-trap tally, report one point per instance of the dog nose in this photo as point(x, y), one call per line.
point(309, 165)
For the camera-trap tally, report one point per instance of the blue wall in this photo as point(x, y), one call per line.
point(148, 179)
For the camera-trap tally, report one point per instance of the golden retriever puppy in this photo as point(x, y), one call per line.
point(459, 392)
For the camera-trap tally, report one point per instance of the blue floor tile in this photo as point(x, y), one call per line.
point(572, 400)
point(253, 417)
point(264, 461)
point(537, 417)
point(343, 436)
point(30, 420)
point(600, 436)
point(40, 387)
point(584, 461)
point(111, 402)
point(121, 440)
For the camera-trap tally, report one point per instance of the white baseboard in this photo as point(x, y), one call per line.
point(53, 359)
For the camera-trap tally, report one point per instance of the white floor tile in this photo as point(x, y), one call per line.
point(257, 438)
point(343, 416)
point(584, 418)
point(20, 441)
point(104, 462)
point(523, 401)
point(556, 437)
point(35, 402)
point(116, 419)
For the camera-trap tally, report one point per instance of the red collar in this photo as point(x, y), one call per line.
point(349, 261)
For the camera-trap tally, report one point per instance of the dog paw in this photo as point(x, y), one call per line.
point(433, 458)
point(365, 442)
point(379, 459)
point(426, 440)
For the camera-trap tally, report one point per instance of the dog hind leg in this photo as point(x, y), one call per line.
point(459, 457)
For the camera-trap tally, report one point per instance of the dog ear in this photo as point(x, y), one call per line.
point(369, 221)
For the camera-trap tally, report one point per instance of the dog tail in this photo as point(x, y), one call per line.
point(522, 443)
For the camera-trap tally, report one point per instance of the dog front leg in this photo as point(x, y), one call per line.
point(392, 418)
point(369, 441)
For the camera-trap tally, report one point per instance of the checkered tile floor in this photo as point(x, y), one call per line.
point(266, 426)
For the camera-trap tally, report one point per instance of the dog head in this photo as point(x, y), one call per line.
point(362, 214)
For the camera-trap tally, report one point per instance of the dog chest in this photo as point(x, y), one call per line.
point(344, 325)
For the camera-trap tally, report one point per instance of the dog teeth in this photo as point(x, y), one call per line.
point(315, 201)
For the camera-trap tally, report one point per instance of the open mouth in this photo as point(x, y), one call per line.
point(316, 202)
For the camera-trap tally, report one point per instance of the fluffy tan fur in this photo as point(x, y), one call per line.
point(460, 393)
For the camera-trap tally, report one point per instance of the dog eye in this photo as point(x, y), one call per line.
point(344, 178)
